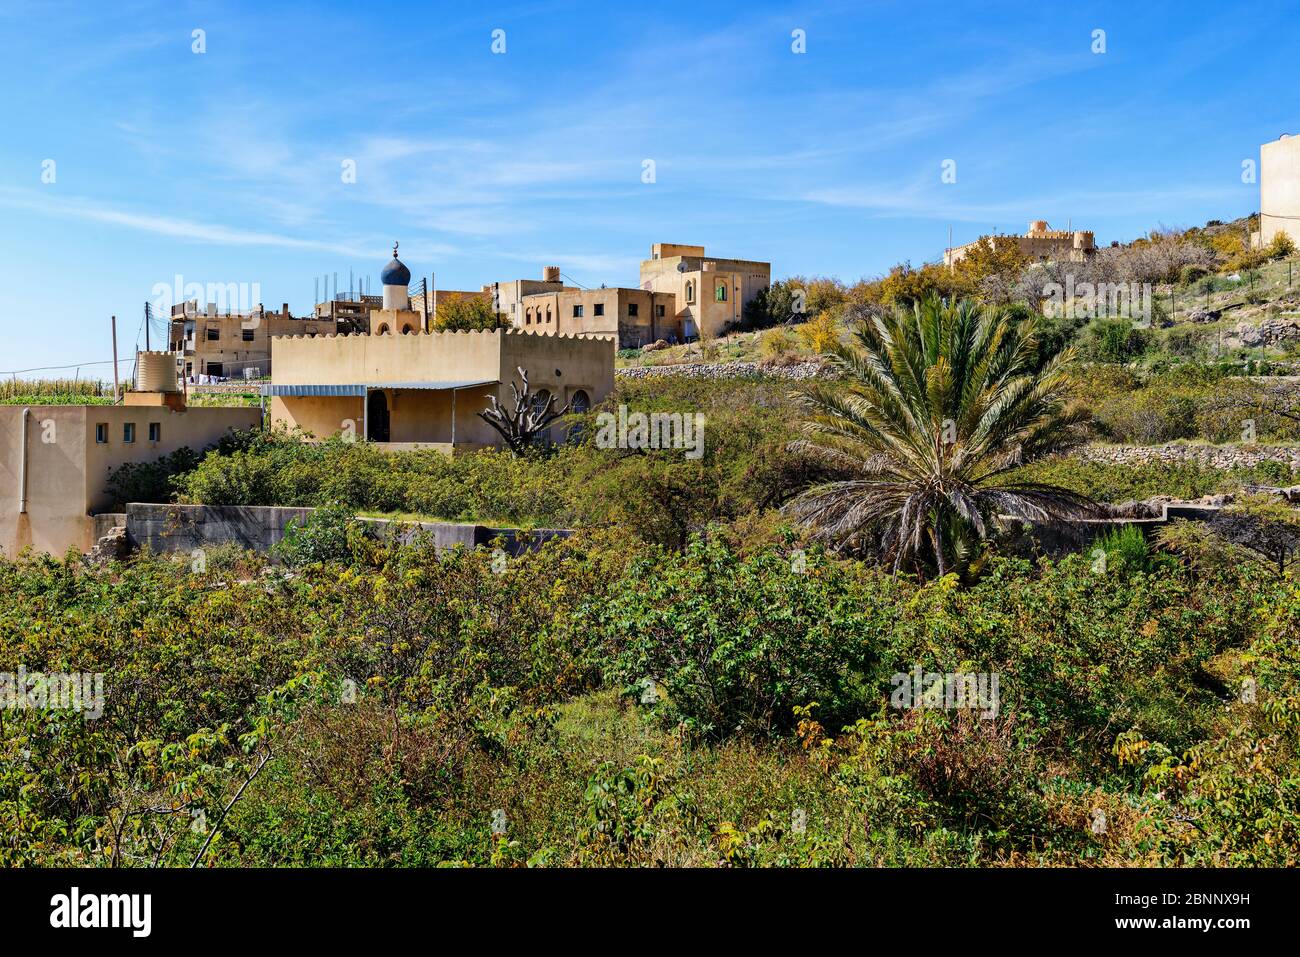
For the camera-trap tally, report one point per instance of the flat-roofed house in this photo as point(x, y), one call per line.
point(55, 460)
point(711, 292)
point(426, 389)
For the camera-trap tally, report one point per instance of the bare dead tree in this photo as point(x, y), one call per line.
point(529, 418)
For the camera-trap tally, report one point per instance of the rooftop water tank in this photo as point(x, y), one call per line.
point(156, 372)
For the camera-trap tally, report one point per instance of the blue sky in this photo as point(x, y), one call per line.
point(226, 166)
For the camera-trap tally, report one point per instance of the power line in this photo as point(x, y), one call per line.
point(70, 365)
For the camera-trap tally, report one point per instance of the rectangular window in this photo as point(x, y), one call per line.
point(600, 308)
point(577, 312)
point(101, 433)
point(214, 334)
point(631, 309)
point(128, 432)
point(248, 335)
point(155, 431)
point(721, 292)
point(659, 311)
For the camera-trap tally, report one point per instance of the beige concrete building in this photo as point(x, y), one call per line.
point(349, 313)
point(711, 293)
point(1279, 189)
point(426, 389)
point(1040, 243)
point(234, 344)
point(55, 460)
point(634, 317)
point(507, 297)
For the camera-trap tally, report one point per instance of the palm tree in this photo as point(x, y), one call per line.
point(943, 401)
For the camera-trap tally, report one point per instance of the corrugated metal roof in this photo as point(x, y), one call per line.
point(359, 388)
point(301, 390)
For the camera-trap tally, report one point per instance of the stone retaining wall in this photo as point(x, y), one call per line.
point(724, 370)
point(1212, 456)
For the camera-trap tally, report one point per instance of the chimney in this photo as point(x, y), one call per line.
point(285, 310)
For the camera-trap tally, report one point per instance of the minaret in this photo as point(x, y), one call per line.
point(396, 279)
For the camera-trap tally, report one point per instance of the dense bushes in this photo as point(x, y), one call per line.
point(383, 707)
point(658, 495)
point(735, 645)
point(1112, 482)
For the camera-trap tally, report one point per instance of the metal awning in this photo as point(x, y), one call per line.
point(360, 388)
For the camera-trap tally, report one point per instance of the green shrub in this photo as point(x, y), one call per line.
point(329, 534)
point(149, 481)
point(1113, 340)
point(736, 645)
point(1125, 549)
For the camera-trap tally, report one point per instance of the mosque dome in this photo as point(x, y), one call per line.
point(395, 272)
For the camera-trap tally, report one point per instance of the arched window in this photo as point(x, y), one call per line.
point(548, 313)
point(528, 317)
point(579, 403)
point(690, 292)
point(539, 400)
point(383, 329)
point(407, 329)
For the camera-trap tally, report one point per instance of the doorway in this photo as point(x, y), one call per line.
point(376, 417)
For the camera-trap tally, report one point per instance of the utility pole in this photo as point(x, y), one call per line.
point(147, 322)
point(428, 326)
point(115, 378)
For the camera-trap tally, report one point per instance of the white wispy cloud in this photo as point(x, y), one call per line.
point(89, 210)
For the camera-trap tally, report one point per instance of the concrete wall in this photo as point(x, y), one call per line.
point(421, 415)
point(1279, 189)
point(562, 365)
point(184, 528)
point(56, 479)
point(67, 470)
point(318, 416)
point(340, 360)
